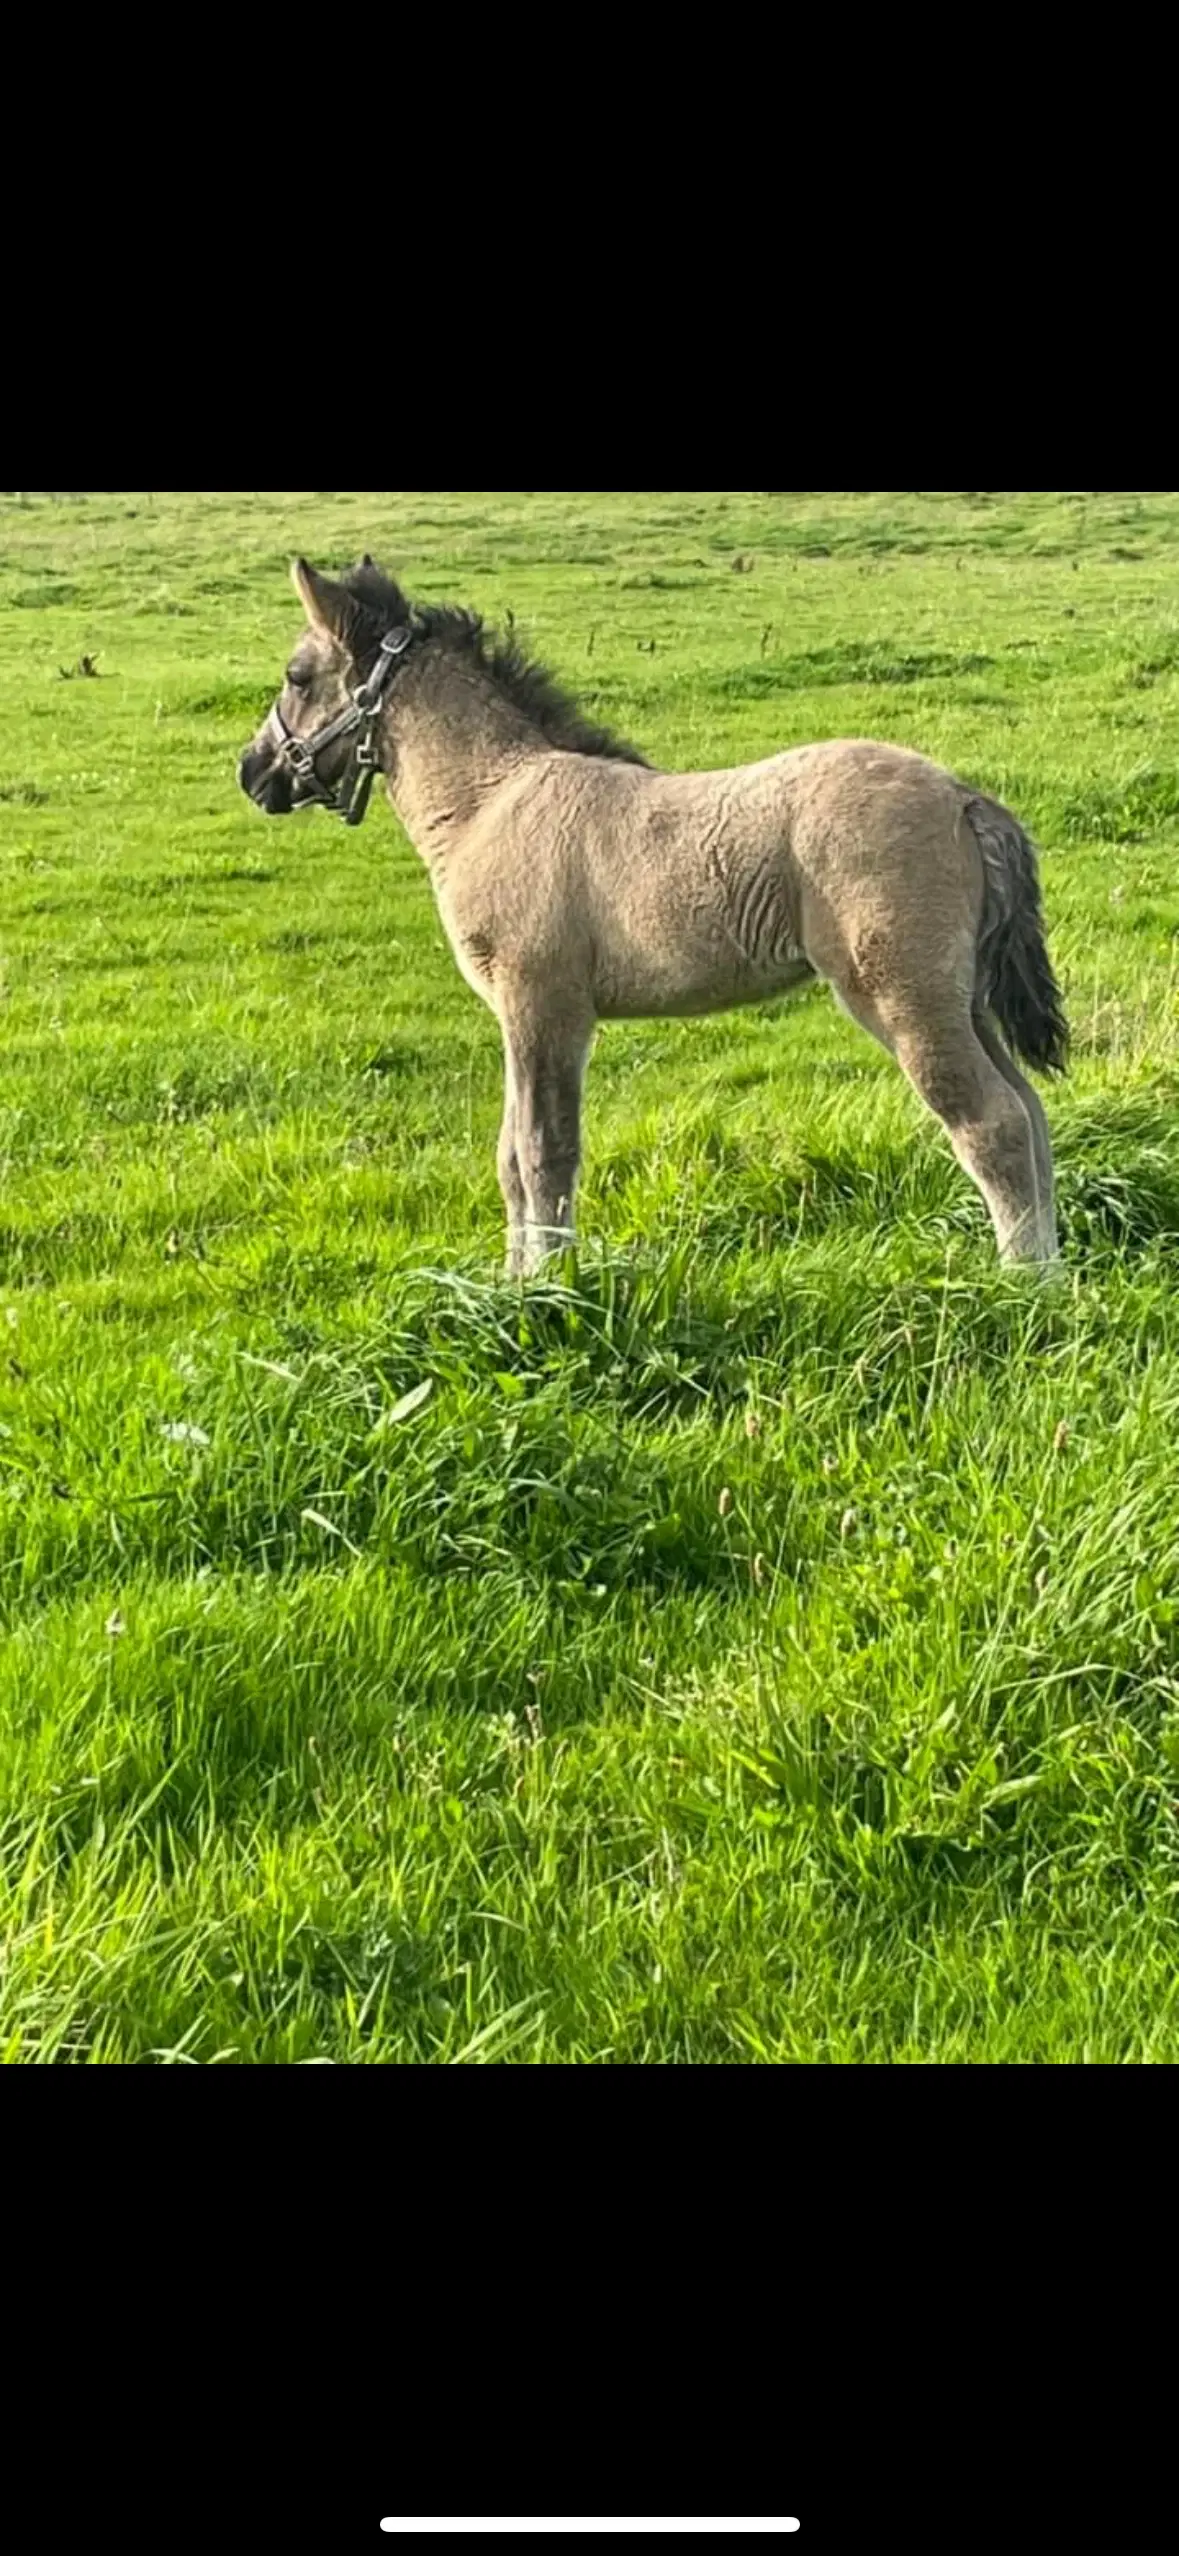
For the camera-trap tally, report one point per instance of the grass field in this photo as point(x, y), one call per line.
point(760, 1642)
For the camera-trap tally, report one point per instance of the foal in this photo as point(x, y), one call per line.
point(577, 884)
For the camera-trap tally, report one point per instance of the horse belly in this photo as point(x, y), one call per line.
point(734, 942)
point(684, 979)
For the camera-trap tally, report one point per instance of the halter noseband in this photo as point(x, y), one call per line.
point(351, 794)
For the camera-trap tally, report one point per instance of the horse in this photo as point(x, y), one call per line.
point(579, 883)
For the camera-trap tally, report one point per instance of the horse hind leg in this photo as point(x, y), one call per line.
point(990, 1115)
point(1045, 1176)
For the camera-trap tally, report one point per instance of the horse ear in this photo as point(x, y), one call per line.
point(326, 605)
point(368, 561)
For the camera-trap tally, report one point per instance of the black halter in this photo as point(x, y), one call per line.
point(351, 794)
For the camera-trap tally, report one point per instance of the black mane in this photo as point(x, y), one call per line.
point(379, 606)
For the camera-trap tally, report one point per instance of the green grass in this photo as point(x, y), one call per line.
point(760, 1641)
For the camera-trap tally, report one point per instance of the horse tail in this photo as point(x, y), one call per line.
point(1014, 977)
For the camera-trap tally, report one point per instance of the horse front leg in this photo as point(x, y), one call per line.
point(540, 1142)
point(512, 1187)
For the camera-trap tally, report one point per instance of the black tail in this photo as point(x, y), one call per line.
point(1015, 979)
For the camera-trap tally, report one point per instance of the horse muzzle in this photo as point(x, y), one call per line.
point(265, 779)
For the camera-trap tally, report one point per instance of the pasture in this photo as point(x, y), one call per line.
point(754, 1640)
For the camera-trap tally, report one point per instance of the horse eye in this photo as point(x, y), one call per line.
point(296, 676)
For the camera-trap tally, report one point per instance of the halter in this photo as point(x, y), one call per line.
point(350, 797)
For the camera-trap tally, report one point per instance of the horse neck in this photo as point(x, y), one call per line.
point(454, 740)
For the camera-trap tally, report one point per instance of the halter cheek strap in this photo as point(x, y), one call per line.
point(350, 796)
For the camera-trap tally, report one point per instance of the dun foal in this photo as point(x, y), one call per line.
point(578, 885)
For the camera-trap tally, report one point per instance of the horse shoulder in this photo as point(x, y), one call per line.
point(510, 883)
